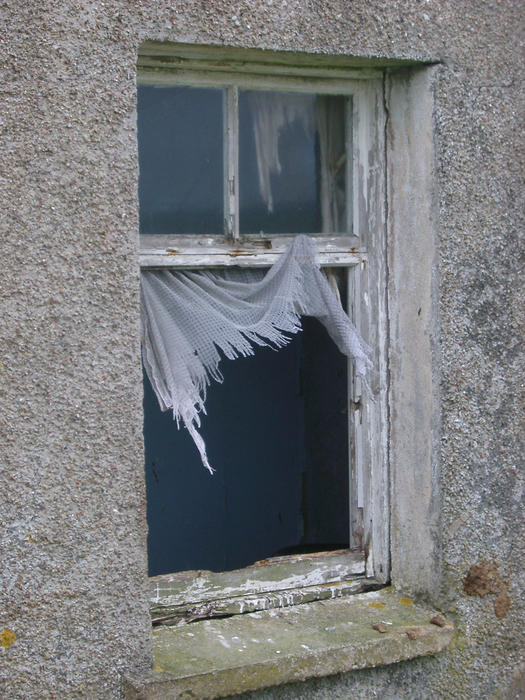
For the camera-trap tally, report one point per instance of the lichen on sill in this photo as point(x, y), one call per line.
point(223, 657)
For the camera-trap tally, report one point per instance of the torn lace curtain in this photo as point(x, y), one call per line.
point(189, 318)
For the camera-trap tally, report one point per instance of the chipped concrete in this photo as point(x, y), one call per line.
point(72, 511)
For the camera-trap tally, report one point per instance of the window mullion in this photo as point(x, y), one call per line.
point(231, 162)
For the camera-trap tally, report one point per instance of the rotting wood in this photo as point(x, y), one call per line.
point(173, 75)
point(370, 284)
point(298, 572)
point(159, 242)
point(239, 605)
point(230, 141)
point(243, 70)
point(185, 65)
point(238, 258)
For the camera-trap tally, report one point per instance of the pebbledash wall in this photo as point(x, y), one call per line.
point(73, 615)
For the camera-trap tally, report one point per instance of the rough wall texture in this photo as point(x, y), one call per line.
point(72, 511)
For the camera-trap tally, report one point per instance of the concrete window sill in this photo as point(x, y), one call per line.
point(223, 657)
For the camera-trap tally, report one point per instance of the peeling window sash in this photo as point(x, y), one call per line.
point(185, 597)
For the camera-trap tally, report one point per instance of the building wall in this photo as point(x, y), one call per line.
point(72, 515)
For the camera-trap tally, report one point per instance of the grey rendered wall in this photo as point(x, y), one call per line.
point(73, 614)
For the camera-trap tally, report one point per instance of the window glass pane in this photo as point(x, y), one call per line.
point(292, 163)
point(180, 159)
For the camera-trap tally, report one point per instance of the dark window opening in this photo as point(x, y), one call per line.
point(277, 429)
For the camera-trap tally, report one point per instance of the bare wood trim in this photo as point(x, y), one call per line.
point(354, 416)
point(218, 244)
point(270, 60)
point(369, 199)
point(297, 557)
point(349, 166)
point(183, 614)
point(183, 65)
point(192, 587)
point(165, 251)
point(217, 59)
point(245, 70)
point(230, 141)
point(235, 258)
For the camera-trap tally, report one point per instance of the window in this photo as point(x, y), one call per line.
point(238, 154)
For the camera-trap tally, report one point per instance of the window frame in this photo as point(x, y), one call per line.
point(363, 253)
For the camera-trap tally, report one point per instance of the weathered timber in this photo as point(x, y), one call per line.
point(182, 614)
point(177, 251)
point(284, 574)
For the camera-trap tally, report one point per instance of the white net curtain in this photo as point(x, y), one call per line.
point(190, 318)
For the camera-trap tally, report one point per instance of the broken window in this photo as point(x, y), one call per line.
point(233, 166)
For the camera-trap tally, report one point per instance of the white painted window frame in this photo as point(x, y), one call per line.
point(363, 253)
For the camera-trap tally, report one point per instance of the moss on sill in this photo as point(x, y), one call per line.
point(218, 658)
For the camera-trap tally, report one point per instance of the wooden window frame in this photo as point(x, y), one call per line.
point(363, 254)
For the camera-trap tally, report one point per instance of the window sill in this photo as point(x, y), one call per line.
point(222, 657)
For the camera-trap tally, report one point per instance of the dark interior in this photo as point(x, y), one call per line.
point(276, 433)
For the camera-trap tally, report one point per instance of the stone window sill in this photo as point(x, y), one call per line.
point(223, 657)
